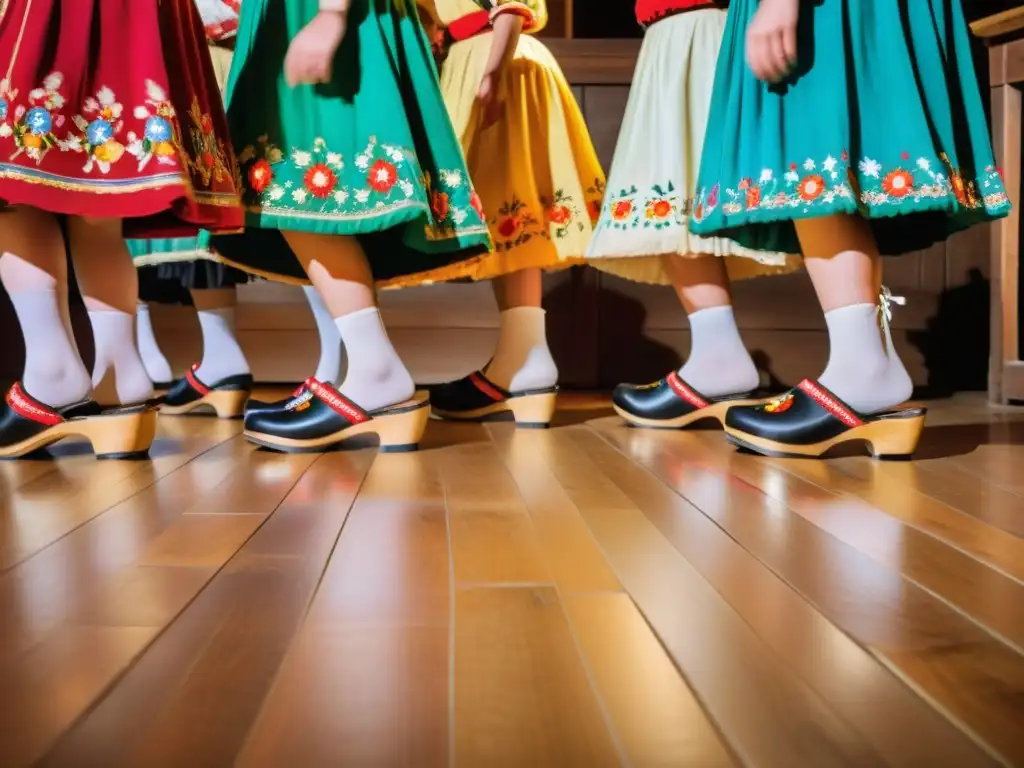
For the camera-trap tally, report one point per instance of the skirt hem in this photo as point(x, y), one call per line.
point(958, 219)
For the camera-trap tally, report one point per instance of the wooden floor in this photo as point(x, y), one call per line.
point(585, 596)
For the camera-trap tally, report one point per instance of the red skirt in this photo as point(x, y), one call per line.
point(110, 108)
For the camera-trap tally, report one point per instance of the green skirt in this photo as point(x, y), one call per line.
point(372, 154)
point(882, 118)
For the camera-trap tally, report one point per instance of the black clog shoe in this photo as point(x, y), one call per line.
point(321, 417)
point(476, 398)
point(27, 425)
point(227, 397)
point(671, 403)
point(809, 420)
point(253, 406)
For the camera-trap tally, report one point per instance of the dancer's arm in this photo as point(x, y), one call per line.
point(310, 57)
point(771, 39)
point(507, 22)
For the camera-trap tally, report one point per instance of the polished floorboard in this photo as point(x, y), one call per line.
point(588, 595)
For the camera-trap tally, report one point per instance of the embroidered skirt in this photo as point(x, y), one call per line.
point(109, 108)
point(535, 170)
point(373, 154)
point(654, 174)
point(882, 118)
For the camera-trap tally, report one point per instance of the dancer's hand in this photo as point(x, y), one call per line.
point(310, 58)
point(771, 40)
point(488, 99)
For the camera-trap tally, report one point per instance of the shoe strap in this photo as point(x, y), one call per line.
point(885, 302)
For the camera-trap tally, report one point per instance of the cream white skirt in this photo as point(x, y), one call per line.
point(654, 173)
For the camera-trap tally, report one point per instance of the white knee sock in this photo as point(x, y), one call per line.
point(157, 366)
point(54, 373)
point(522, 359)
point(329, 367)
point(222, 356)
point(719, 363)
point(859, 370)
point(113, 333)
point(376, 375)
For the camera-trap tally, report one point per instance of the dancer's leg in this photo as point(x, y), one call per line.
point(222, 355)
point(719, 363)
point(34, 273)
point(153, 358)
point(329, 367)
point(109, 284)
point(844, 264)
point(375, 377)
point(522, 359)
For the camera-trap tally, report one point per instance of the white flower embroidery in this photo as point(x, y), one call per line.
point(809, 164)
point(299, 195)
point(334, 160)
point(406, 187)
point(340, 196)
point(301, 158)
point(452, 179)
point(870, 167)
point(830, 164)
point(766, 175)
point(362, 195)
point(276, 193)
point(923, 164)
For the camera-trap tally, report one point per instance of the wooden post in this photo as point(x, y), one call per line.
point(1003, 33)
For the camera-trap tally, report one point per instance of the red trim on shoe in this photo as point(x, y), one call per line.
point(195, 383)
point(337, 402)
point(684, 392)
point(30, 408)
point(830, 403)
point(487, 388)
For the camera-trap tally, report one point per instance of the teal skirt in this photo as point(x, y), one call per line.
point(372, 154)
point(170, 268)
point(882, 118)
point(146, 253)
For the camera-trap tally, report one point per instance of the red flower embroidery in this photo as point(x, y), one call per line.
point(844, 156)
point(622, 210)
point(508, 226)
point(659, 209)
point(560, 214)
point(698, 212)
point(208, 159)
point(260, 175)
point(594, 209)
point(382, 176)
point(439, 203)
point(792, 166)
point(898, 183)
point(320, 180)
point(811, 187)
point(745, 184)
point(905, 155)
point(206, 124)
point(713, 197)
point(476, 204)
point(753, 197)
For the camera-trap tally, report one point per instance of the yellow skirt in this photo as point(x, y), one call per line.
point(536, 171)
